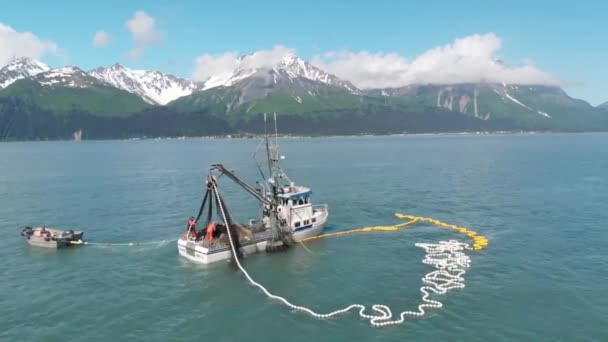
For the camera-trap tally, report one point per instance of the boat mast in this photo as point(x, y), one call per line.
point(276, 133)
point(268, 156)
point(272, 153)
point(273, 184)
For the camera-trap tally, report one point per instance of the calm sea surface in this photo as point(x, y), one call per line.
point(542, 200)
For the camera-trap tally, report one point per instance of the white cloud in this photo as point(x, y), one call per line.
point(468, 59)
point(102, 38)
point(265, 59)
point(365, 69)
point(222, 65)
point(22, 44)
point(144, 33)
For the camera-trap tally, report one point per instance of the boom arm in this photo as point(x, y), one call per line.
point(242, 183)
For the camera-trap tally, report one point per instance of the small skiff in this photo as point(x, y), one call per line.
point(51, 237)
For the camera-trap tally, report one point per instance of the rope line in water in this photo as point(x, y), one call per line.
point(447, 257)
point(109, 244)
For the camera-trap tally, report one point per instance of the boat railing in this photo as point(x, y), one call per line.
point(324, 208)
point(316, 207)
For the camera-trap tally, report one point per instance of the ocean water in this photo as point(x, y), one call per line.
point(542, 200)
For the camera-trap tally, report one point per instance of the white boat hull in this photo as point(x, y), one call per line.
point(314, 230)
point(196, 252)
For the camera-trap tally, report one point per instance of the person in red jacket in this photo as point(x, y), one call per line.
point(191, 230)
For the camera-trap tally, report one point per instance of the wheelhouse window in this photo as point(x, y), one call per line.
point(296, 224)
point(306, 222)
point(314, 219)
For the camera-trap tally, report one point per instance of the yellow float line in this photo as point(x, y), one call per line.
point(479, 241)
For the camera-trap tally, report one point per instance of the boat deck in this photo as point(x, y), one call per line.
point(223, 243)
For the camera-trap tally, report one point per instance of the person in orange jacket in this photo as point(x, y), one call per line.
point(210, 231)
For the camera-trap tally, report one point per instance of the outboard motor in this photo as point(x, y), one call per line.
point(27, 231)
point(76, 235)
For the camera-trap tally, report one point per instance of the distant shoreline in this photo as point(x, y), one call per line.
point(291, 136)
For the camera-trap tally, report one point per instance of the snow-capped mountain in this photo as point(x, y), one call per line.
point(287, 69)
point(287, 85)
point(153, 87)
point(69, 76)
point(288, 80)
point(20, 67)
point(534, 103)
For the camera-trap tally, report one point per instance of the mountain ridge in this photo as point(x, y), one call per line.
point(290, 66)
point(69, 88)
point(20, 67)
point(289, 86)
point(154, 87)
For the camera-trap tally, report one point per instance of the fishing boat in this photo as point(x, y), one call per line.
point(51, 237)
point(287, 214)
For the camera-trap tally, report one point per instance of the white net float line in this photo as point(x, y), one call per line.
point(447, 257)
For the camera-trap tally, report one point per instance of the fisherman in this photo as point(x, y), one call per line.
point(192, 223)
point(211, 231)
point(191, 230)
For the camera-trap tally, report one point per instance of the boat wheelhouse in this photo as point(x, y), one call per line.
point(296, 208)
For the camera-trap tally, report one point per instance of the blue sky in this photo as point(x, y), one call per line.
point(563, 39)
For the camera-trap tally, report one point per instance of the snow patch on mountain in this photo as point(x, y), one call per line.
point(69, 76)
point(153, 87)
point(543, 113)
point(523, 105)
point(228, 79)
point(516, 101)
